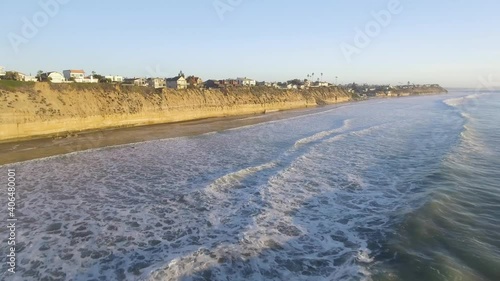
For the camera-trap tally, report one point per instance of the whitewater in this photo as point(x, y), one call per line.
point(354, 192)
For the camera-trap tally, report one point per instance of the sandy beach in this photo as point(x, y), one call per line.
point(25, 150)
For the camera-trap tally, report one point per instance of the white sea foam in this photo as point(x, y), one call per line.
point(307, 201)
point(454, 102)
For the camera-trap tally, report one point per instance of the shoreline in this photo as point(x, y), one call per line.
point(27, 149)
point(39, 147)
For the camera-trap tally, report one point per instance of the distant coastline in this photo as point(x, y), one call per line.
point(55, 110)
point(40, 110)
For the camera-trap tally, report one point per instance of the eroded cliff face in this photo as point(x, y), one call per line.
point(48, 110)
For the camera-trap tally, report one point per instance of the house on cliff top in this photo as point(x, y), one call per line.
point(78, 76)
point(194, 81)
point(114, 78)
point(178, 82)
point(53, 76)
point(157, 83)
point(74, 75)
point(141, 82)
point(246, 82)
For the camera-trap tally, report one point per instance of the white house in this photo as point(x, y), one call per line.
point(266, 84)
point(143, 82)
point(2, 71)
point(320, 84)
point(26, 78)
point(114, 78)
point(157, 83)
point(178, 82)
point(246, 82)
point(54, 77)
point(89, 79)
point(76, 75)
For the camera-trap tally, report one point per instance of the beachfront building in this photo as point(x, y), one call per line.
point(265, 84)
point(136, 82)
point(178, 82)
point(320, 84)
point(157, 83)
point(246, 82)
point(74, 75)
point(90, 79)
point(194, 81)
point(229, 83)
point(114, 78)
point(210, 84)
point(54, 77)
point(26, 78)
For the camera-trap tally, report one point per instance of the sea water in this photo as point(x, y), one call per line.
point(387, 189)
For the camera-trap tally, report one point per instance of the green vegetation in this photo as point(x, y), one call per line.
point(82, 87)
point(12, 85)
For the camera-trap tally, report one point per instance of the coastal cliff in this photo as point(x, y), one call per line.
point(43, 109)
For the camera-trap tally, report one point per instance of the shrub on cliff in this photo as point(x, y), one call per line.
point(12, 85)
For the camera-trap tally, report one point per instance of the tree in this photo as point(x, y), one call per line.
point(321, 76)
point(181, 74)
point(295, 82)
point(12, 75)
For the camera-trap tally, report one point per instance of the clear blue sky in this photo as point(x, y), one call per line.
point(451, 42)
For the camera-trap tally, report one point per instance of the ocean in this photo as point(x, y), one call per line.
point(385, 189)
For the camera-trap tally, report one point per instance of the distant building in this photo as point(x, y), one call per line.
point(2, 71)
point(320, 84)
point(135, 82)
point(74, 75)
point(90, 79)
point(212, 84)
point(178, 82)
point(229, 83)
point(157, 83)
point(246, 82)
point(26, 78)
point(266, 84)
point(194, 81)
point(54, 77)
point(114, 78)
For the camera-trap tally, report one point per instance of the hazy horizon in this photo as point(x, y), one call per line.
point(452, 43)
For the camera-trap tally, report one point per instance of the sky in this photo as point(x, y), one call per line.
point(451, 42)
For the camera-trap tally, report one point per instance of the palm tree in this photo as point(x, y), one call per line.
point(322, 76)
